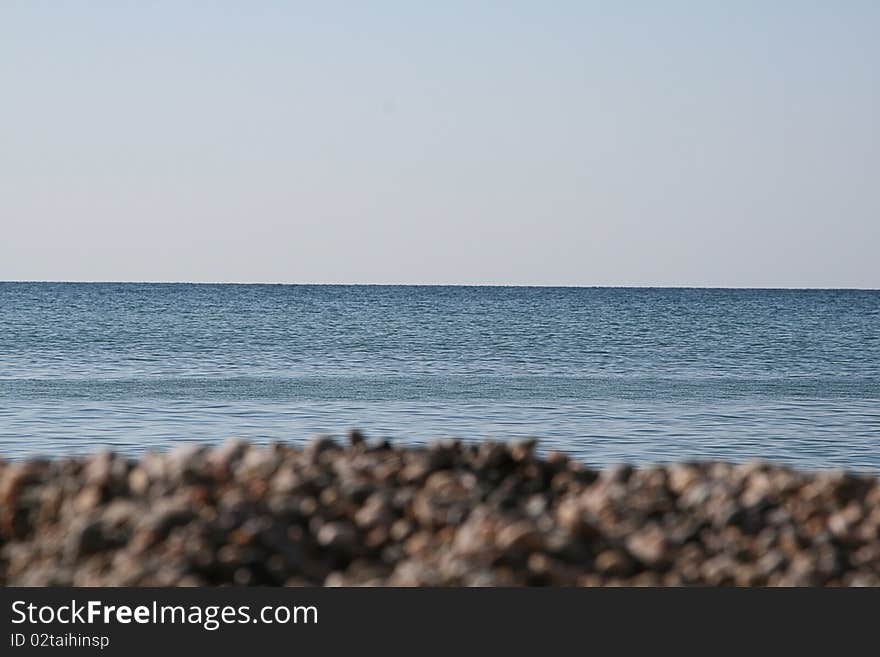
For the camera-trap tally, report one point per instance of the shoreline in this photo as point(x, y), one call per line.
point(451, 513)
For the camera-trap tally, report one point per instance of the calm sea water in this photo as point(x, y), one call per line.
point(639, 375)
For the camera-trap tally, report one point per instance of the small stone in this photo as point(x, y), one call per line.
point(338, 535)
point(519, 537)
point(648, 545)
point(453, 513)
point(613, 563)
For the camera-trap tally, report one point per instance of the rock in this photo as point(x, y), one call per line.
point(519, 538)
point(648, 545)
point(486, 514)
point(614, 563)
point(340, 536)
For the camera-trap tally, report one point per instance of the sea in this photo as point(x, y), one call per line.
point(607, 375)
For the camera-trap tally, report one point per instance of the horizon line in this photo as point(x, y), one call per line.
point(684, 286)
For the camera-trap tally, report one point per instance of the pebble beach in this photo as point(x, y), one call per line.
point(364, 512)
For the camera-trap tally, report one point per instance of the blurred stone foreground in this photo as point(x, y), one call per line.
point(455, 514)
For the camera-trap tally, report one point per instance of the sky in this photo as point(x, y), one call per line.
point(562, 143)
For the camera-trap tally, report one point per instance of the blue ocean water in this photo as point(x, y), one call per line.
point(605, 374)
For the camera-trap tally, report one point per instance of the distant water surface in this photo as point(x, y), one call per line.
point(605, 374)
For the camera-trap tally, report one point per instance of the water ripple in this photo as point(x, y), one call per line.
point(606, 374)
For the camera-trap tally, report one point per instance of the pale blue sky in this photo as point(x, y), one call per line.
point(584, 143)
